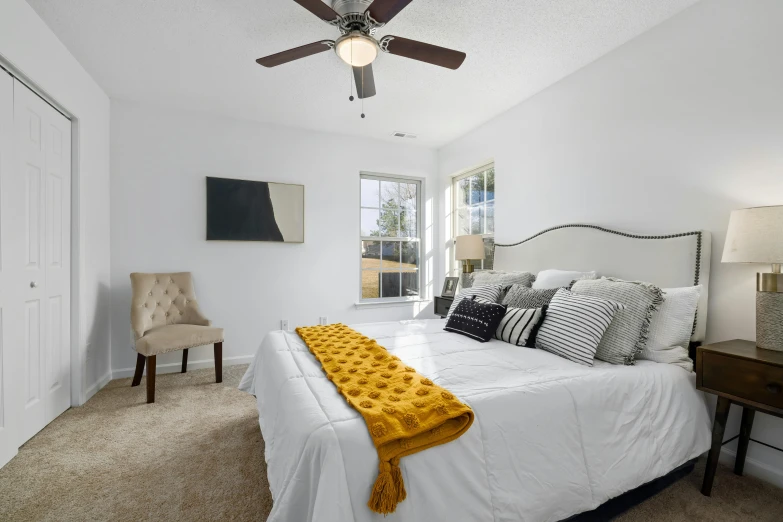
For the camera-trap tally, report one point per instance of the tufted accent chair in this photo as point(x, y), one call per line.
point(165, 317)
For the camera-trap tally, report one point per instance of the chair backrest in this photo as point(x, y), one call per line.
point(162, 299)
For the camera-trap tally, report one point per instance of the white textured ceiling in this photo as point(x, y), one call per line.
point(200, 54)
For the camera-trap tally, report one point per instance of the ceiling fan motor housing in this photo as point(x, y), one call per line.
point(345, 7)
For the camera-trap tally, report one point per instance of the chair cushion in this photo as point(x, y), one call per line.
point(163, 299)
point(175, 337)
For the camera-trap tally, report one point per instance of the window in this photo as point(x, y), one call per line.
point(390, 238)
point(474, 210)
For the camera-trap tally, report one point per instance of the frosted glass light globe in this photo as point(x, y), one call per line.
point(356, 49)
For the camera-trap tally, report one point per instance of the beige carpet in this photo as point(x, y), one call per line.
point(197, 454)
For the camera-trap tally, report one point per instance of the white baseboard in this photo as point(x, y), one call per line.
point(753, 467)
point(177, 366)
point(103, 381)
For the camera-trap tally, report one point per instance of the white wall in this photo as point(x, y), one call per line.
point(160, 160)
point(668, 133)
point(30, 47)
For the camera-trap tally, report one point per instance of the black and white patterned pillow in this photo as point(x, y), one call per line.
point(627, 335)
point(574, 325)
point(520, 296)
point(519, 326)
point(476, 319)
point(485, 293)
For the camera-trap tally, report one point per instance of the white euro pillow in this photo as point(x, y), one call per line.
point(671, 327)
point(559, 278)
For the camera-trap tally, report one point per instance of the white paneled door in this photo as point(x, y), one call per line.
point(8, 429)
point(35, 283)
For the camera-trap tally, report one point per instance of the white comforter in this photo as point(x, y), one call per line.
point(551, 438)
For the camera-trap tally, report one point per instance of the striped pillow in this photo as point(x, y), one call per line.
point(627, 335)
point(519, 325)
point(574, 325)
point(483, 294)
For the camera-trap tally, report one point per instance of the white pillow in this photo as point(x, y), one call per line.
point(559, 278)
point(671, 327)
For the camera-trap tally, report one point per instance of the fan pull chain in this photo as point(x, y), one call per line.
point(363, 92)
point(350, 98)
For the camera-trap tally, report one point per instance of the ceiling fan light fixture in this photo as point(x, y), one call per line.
point(356, 49)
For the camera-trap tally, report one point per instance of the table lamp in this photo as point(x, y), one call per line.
point(755, 235)
point(468, 248)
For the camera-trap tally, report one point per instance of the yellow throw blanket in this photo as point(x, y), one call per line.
point(405, 412)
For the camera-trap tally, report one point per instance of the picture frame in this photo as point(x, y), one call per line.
point(450, 287)
point(249, 210)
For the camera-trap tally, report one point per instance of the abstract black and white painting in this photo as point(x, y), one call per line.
point(242, 210)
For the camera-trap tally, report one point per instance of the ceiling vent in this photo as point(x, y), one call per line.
point(404, 135)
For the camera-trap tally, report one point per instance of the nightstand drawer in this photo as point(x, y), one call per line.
point(442, 305)
point(743, 378)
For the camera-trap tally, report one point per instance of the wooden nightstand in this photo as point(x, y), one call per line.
point(442, 305)
point(738, 372)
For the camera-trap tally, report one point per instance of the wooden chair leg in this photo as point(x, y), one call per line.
point(150, 379)
point(139, 370)
point(184, 360)
point(219, 362)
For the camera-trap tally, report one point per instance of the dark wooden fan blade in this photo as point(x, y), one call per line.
point(424, 52)
point(294, 54)
point(384, 10)
point(365, 81)
point(319, 9)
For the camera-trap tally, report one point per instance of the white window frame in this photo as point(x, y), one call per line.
point(456, 266)
point(419, 210)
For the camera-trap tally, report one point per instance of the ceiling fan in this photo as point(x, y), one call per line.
point(357, 21)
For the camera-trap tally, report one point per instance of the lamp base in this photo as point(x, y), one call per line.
point(467, 267)
point(769, 311)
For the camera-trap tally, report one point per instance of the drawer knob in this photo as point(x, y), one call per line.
point(773, 388)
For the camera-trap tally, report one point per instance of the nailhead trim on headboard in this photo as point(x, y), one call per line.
point(633, 236)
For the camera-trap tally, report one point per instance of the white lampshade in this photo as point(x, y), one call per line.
point(755, 235)
point(470, 247)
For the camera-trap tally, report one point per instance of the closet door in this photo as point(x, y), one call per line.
point(9, 310)
point(57, 263)
point(41, 184)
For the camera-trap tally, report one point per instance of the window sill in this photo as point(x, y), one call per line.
point(386, 304)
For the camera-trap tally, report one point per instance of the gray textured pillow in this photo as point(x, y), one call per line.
point(520, 296)
point(627, 335)
point(497, 277)
point(492, 277)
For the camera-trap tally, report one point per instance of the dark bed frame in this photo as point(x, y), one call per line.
point(619, 505)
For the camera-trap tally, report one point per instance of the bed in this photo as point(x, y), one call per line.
point(551, 439)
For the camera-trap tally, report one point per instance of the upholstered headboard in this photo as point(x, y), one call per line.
point(668, 261)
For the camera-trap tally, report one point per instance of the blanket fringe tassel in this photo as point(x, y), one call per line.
point(389, 488)
point(397, 479)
